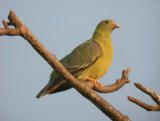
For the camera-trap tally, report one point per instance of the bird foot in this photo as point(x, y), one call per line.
point(95, 82)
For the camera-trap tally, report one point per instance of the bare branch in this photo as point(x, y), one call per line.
point(9, 32)
point(154, 95)
point(5, 24)
point(111, 88)
point(144, 105)
point(87, 92)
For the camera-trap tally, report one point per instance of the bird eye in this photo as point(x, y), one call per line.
point(106, 22)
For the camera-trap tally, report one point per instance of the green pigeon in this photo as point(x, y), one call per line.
point(88, 62)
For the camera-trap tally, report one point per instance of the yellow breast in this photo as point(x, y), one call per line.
point(100, 67)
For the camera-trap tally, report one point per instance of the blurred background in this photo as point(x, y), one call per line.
point(61, 26)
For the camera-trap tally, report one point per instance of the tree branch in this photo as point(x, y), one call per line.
point(154, 95)
point(22, 30)
point(111, 88)
point(9, 32)
point(5, 24)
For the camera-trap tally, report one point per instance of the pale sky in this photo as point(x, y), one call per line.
point(61, 26)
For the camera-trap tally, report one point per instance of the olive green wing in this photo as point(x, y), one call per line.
point(82, 57)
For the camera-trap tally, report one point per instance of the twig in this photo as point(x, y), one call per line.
point(22, 30)
point(5, 24)
point(154, 95)
point(144, 105)
point(110, 88)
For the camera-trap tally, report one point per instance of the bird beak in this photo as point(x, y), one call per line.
point(115, 25)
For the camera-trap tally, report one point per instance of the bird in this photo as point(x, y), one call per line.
point(87, 62)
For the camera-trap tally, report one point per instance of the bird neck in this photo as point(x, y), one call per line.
point(105, 41)
point(102, 38)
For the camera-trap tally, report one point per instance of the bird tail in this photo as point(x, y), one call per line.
point(44, 91)
point(49, 88)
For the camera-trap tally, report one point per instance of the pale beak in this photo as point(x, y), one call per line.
point(116, 25)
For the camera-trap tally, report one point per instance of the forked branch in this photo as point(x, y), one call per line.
point(111, 88)
point(154, 95)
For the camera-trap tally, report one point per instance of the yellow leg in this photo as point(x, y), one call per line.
point(95, 82)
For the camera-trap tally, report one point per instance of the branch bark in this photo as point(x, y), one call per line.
point(111, 88)
point(154, 95)
point(22, 30)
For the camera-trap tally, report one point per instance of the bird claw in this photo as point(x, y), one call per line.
point(95, 82)
point(101, 85)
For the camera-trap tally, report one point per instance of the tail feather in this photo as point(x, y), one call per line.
point(54, 82)
point(48, 89)
point(43, 92)
point(54, 86)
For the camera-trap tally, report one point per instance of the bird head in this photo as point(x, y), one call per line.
point(106, 26)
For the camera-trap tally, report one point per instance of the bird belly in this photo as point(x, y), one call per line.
point(98, 69)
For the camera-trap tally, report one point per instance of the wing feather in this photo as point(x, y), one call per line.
point(82, 57)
